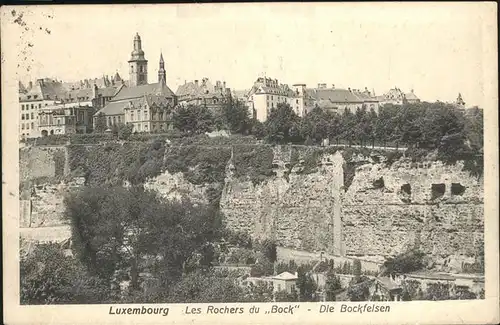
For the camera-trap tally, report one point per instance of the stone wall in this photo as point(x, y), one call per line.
point(437, 207)
point(42, 162)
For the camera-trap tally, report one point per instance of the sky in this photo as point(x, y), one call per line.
point(436, 49)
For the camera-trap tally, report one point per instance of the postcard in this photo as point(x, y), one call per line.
point(249, 163)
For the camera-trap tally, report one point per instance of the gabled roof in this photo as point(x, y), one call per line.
point(108, 91)
point(388, 284)
point(411, 96)
point(119, 107)
point(285, 276)
point(139, 91)
point(113, 108)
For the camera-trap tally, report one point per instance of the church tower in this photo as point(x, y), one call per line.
point(138, 65)
point(162, 74)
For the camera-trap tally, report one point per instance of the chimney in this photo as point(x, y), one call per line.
point(95, 90)
point(333, 86)
point(224, 84)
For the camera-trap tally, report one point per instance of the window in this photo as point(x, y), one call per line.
point(297, 101)
point(32, 116)
point(109, 120)
point(27, 126)
point(131, 116)
point(114, 120)
point(145, 115)
point(138, 127)
point(138, 115)
point(145, 126)
point(22, 116)
point(35, 96)
point(31, 106)
point(39, 105)
point(22, 107)
point(32, 125)
point(22, 126)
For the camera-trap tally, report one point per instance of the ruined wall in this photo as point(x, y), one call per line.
point(42, 162)
point(437, 207)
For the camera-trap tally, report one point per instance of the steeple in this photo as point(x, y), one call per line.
point(162, 74)
point(138, 64)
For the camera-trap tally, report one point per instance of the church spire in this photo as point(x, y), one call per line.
point(162, 74)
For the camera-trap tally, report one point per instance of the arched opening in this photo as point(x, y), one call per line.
point(44, 133)
point(51, 132)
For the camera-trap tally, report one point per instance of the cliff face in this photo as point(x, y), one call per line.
point(298, 210)
point(436, 207)
point(311, 204)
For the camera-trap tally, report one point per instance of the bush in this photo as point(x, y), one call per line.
point(50, 277)
point(405, 263)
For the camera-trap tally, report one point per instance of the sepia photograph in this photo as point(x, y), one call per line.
point(214, 157)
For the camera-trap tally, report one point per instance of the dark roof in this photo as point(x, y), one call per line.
point(113, 108)
point(139, 91)
point(108, 91)
point(335, 95)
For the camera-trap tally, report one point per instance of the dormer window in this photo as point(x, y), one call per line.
point(29, 96)
point(35, 96)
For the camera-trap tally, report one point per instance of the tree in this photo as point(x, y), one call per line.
point(358, 289)
point(284, 296)
point(318, 125)
point(406, 262)
point(282, 124)
point(50, 277)
point(356, 269)
point(100, 123)
point(268, 248)
point(124, 131)
point(332, 284)
point(205, 287)
point(306, 285)
point(193, 119)
point(236, 116)
point(257, 129)
point(125, 229)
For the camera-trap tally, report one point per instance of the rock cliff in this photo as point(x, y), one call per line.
point(311, 199)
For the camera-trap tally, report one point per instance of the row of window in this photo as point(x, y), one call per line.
point(158, 116)
point(27, 116)
point(114, 120)
point(33, 106)
point(27, 126)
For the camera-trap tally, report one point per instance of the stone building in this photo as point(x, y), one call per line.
point(47, 95)
point(38, 95)
point(267, 93)
point(203, 93)
point(336, 100)
point(147, 107)
point(396, 96)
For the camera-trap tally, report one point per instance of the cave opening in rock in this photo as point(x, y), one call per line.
point(437, 190)
point(457, 189)
point(406, 188)
point(378, 183)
